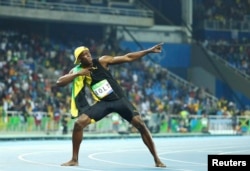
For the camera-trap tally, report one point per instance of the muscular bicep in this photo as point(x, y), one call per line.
point(65, 79)
point(110, 60)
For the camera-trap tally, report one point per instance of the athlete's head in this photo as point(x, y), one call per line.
point(82, 55)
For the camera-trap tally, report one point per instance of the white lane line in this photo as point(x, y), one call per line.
point(22, 158)
point(236, 152)
point(93, 157)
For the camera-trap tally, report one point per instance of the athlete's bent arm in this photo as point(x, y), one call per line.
point(68, 78)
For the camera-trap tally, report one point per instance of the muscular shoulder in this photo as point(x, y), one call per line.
point(105, 60)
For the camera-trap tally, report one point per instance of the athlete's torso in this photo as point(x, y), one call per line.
point(103, 84)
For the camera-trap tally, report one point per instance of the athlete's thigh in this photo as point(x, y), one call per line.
point(126, 109)
point(98, 111)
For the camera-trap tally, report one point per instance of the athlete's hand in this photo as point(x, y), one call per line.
point(157, 48)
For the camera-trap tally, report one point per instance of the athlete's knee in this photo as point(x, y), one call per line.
point(82, 122)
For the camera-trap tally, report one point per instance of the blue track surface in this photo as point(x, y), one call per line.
point(178, 153)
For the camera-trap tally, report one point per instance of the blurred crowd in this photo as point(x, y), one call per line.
point(237, 54)
point(236, 49)
point(221, 10)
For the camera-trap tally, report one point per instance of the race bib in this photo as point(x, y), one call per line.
point(102, 89)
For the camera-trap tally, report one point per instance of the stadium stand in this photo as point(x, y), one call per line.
point(223, 17)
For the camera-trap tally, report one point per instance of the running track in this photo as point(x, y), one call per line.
point(128, 154)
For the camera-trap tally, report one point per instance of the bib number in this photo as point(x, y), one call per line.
point(102, 89)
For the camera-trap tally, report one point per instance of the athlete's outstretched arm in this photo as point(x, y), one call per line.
point(129, 57)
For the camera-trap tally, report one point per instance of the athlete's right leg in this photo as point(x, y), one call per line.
point(138, 123)
point(77, 135)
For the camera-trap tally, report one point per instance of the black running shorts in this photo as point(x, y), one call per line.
point(101, 109)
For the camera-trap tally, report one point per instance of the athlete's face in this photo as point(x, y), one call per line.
point(85, 58)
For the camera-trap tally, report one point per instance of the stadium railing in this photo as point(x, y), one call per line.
point(42, 122)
